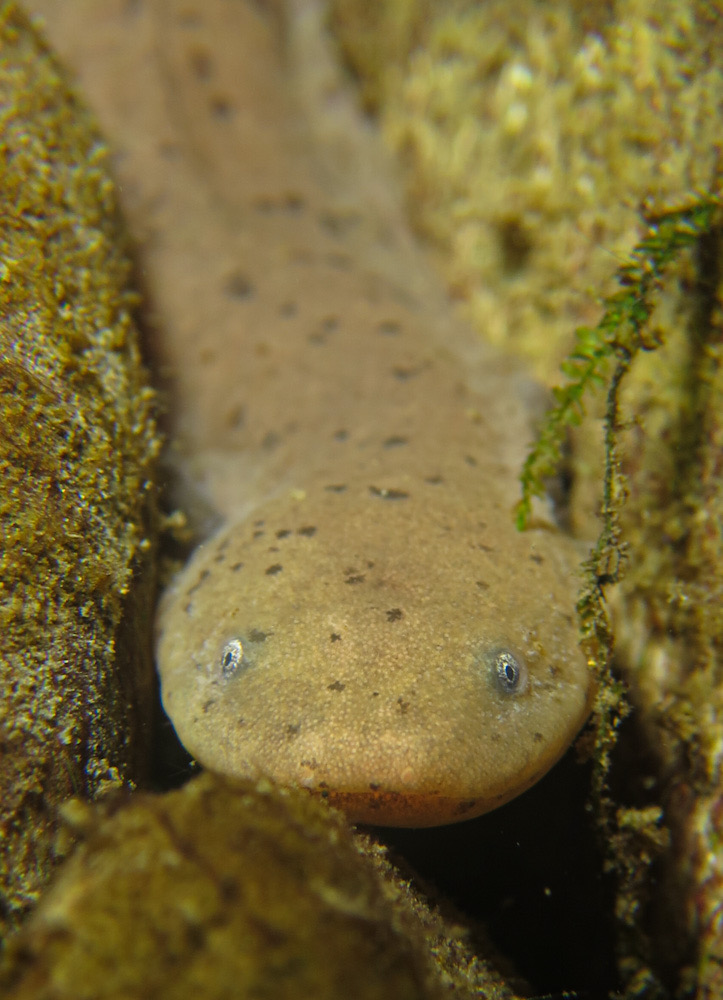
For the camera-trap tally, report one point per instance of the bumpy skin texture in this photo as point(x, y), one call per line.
point(369, 624)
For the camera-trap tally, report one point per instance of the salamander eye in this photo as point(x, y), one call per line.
point(510, 673)
point(232, 656)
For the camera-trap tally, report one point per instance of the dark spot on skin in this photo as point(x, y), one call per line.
point(338, 224)
point(403, 705)
point(235, 417)
point(464, 807)
point(220, 107)
point(515, 244)
point(482, 585)
point(203, 575)
point(236, 567)
point(357, 578)
point(308, 531)
point(336, 488)
point(293, 201)
point(395, 614)
point(238, 286)
point(389, 327)
point(293, 730)
point(208, 704)
point(339, 261)
point(374, 786)
point(433, 480)
point(386, 494)
point(256, 635)
point(271, 441)
point(273, 548)
point(375, 694)
point(538, 737)
point(341, 435)
point(259, 522)
point(258, 533)
point(170, 150)
point(395, 441)
point(537, 558)
point(288, 310)
point(302, 256)
point(273, 570)
point(201, 63)
point(336, 686)
point(404, 374)
point(219, 557)
point(470, 460)
point(335, 637)
point(283, 532)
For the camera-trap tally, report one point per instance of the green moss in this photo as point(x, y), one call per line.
point(76, 458)
point(614, 343)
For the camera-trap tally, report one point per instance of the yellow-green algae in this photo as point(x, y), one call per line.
point(668, 624)
point(233, 889)
point(531, 133)
point(669, 607)
point(76, 456)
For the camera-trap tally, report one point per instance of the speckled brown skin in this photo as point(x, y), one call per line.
point(344, 632)
point(326, 408)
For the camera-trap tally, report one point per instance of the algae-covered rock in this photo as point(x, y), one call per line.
point(227, 889)
point(668, 618)
point(76, 453)
point(530, 135)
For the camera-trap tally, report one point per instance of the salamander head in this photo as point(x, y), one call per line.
point(424, 675)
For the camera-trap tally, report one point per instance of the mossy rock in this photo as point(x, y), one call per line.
point(77, 455)
point(230, 889)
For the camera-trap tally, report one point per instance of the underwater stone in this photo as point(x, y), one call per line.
point(77, 452)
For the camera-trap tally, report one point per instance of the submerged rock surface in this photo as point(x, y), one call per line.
point(77, 451)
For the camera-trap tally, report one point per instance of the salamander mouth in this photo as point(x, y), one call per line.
point(378, 807)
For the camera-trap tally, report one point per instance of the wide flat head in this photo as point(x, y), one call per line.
point(412, 657)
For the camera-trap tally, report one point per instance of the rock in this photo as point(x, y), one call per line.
point(77, 455)
point(231, 889)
